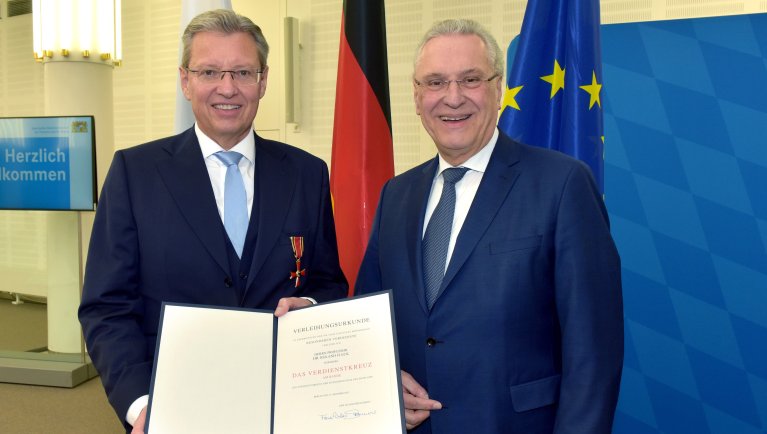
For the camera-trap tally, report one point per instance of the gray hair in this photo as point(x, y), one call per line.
point(464, 27)
point(227, 22)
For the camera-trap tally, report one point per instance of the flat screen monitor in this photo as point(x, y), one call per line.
point(48, 163)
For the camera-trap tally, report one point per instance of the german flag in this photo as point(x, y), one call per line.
point(362, 158)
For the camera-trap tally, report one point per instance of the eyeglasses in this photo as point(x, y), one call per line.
point(438, 85)
point(248, 77)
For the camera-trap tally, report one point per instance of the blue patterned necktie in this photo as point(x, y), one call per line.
point(235, 201)
point(437, 236)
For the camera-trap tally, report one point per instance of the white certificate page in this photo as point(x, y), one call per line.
point(337, 371)
point(213, 372)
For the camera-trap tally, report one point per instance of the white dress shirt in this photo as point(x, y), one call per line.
point(217, 168)
point(465, 190)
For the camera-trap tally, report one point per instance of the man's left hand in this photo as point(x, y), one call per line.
point(290, 303)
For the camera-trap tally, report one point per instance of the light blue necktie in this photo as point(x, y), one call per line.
point(437, 237)
point(235, 201)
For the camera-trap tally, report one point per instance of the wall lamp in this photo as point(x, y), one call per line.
point(77, 31)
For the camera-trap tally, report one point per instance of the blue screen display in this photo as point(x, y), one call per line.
point(47, 163)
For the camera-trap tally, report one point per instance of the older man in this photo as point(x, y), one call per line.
point(505, 279)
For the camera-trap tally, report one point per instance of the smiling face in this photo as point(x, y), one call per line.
point(460, 121)
point(224, 110)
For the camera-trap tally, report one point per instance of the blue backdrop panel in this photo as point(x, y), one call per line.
point(686, 187)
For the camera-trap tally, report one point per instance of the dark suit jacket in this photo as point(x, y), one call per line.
point(527, 333)
point(158, 237)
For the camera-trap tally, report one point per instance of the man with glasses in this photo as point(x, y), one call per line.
point(213, 216)
point(505, 279)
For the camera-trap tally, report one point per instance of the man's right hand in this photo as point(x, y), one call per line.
point(418, 406)
point(138, 426)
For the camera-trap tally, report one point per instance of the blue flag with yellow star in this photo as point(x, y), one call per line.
point(554, 81)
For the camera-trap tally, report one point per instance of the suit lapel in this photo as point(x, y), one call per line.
point(275, 183)
point(187, 180)
point(497, 181)
point(414, 227)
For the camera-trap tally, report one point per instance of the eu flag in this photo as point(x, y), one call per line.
point(553, 83)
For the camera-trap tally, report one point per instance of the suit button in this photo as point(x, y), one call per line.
point(228, 282)
point(431, 342)
point(243, 276)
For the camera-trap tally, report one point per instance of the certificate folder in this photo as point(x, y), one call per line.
point(328, 368)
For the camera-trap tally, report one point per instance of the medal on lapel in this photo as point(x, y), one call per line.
point(298, 252)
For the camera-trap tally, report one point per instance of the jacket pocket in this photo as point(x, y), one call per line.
point(516, 244)
point(535, 394)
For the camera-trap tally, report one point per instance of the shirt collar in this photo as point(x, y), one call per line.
point(478, 162)
point(246, 147)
